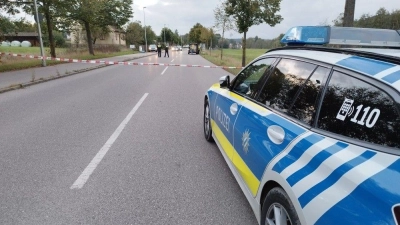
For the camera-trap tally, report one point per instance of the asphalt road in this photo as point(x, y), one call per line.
point(116, 145)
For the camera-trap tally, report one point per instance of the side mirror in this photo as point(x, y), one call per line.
point(225, 82)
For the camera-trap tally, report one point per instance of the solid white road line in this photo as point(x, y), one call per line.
point(173, 60)
point(164, 70)
point(78, 184)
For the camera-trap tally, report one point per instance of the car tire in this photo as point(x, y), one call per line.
point(277, 205)
point(207, 122)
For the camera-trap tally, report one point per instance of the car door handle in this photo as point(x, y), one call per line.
point(234, 108)
point(276, 134)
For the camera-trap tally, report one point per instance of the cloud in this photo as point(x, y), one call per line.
point(182, 15)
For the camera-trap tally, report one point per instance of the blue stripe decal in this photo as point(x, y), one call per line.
point(370, 203)
point(313, 192)
point(368, 66)
point(295, 152)
point(392, 78)
point(315, 163)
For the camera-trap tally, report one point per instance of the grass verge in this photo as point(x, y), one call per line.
point(231, 57)
point(11, 63)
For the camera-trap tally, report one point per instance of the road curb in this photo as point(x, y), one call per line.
point(57, 76)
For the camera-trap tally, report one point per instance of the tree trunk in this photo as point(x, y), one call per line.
point(222, 43)
point(348, 18)
point(244, 49)
point(89, 37)
point(50, 30)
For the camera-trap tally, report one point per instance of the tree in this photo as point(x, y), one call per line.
point(97, 13)
point(169, 36)
point(135, 34)
point(195, 33)
point(338, 22)
point(6, 26)
point(348, 16)
point(48, 9)
point(151, 35)
point(222, 22)
point(22, 25)
point(247, 13)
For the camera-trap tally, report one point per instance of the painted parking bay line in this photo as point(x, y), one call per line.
point(78, 184)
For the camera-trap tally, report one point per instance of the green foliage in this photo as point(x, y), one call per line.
point(247, 13)
point(170, 37)
point(382, 19)
point(6, 26)
point(195, 33)
point(135, 34)
point(22, 25)
point(96, 13)
point(59, 39)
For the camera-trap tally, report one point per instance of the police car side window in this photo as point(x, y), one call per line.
point(284, 82)
point(246, 82)
point(304, 107)
point(356, 109)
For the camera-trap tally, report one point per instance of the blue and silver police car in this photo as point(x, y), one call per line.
point(312, 134)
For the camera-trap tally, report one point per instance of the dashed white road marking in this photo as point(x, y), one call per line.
point(164, 70)
point(173, 60)
point(78, 184)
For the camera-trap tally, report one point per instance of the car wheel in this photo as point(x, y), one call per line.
point(207, 122)
point(278, 209)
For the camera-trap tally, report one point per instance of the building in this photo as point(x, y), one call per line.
point(32, 37)
point(114, 37)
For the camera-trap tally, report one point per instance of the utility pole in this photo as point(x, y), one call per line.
point(40, 34)
point(145, 38)
point(348, 16)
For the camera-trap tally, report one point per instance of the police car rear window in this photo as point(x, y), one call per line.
point(358, 110)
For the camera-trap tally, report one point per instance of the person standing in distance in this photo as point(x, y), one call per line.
point(166, 51)
point(159, 49)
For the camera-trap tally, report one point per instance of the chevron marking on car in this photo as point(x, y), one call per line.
point(346, 184)
point(397, 86)
point(333, 177)
point(285, 152)
point(387, 72)
point(329, 165)
point(313, 158)
point(392, 78)
point(296, 151)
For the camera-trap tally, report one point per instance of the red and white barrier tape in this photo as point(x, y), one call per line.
point(112, 62)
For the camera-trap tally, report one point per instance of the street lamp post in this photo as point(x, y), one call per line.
point(145, 38)
point(40, 34)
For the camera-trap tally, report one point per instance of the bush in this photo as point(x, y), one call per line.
point(58, 39)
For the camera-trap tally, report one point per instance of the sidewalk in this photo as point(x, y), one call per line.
point(22, 78)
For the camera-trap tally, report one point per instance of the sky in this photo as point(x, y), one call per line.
point(182, 15)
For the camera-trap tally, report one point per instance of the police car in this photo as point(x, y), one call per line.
point(312, 134)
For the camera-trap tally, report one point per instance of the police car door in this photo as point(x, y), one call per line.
point(261, 128)
point(247, 85)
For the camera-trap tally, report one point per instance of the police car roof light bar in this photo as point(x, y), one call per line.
point(354, 36)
